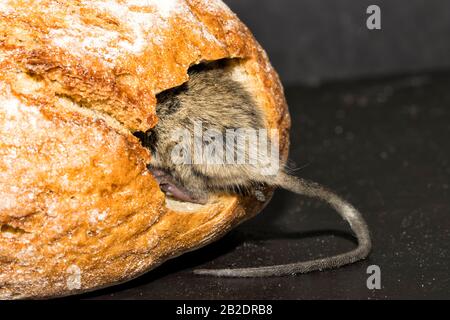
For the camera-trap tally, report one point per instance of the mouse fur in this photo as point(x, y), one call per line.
point(213, 98)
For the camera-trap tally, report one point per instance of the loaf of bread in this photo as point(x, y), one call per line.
point(78, 208)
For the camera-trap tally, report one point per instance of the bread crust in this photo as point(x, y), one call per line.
point(79, 210)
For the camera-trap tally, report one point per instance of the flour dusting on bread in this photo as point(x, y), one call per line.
point(134, 17)
point(77, 78)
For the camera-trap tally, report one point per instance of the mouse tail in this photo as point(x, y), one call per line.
point(345, 210)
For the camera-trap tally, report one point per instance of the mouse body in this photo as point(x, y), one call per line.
point(212, 103)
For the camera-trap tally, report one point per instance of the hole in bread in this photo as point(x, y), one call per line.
point(170, 103)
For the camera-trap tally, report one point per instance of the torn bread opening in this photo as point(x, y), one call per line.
point(214, 98)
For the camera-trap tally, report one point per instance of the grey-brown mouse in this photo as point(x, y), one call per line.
point(221, 104)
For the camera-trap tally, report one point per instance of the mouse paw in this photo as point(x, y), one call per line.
point(172, 188)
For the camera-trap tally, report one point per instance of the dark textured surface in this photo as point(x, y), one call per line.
point(318, 40)
point(384, 145)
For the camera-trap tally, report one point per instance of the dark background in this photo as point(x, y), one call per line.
point(371, 120)
point(311, 41)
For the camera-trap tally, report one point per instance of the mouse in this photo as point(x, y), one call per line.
point(213, 101)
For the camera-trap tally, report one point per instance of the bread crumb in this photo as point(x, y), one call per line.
point(260, 196)
point(74, 279)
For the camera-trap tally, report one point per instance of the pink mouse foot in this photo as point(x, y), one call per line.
point(172, 188)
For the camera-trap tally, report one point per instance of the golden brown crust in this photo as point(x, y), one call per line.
point(79, 210)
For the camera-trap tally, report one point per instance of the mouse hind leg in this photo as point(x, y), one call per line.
point(174, 189)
